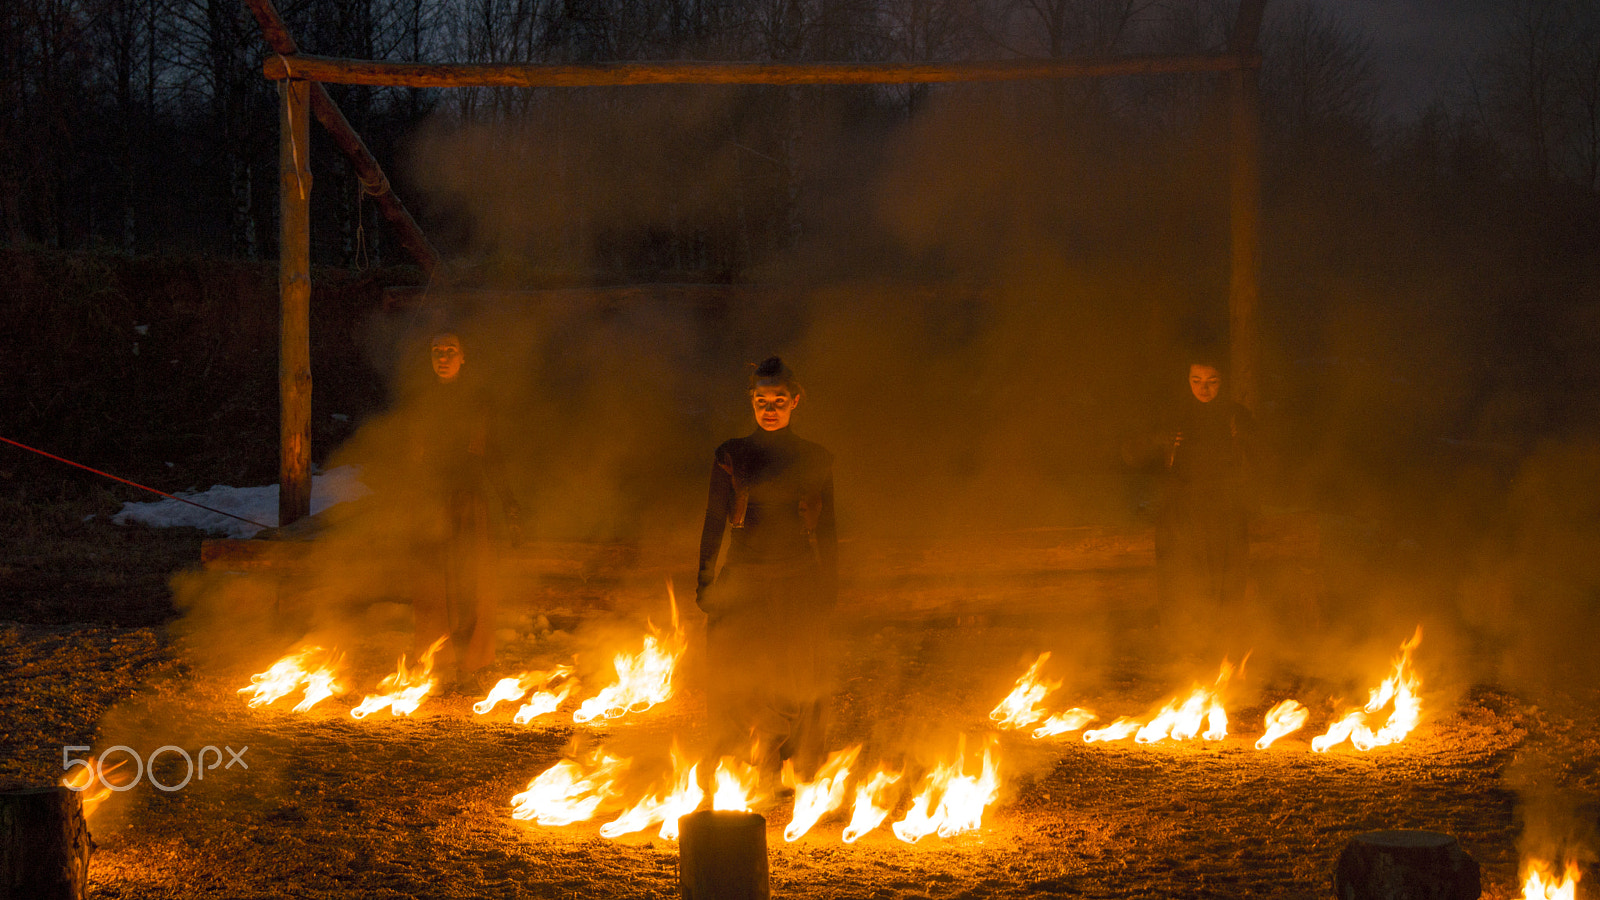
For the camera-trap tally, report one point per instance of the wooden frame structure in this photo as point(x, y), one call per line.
point(302, 76)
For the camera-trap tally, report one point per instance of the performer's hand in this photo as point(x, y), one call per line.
point(702, 599)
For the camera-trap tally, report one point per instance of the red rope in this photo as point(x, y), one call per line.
point(133, 483)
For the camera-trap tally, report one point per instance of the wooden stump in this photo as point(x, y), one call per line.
point(722, 856)
point(44, 845)
point(1405, 865)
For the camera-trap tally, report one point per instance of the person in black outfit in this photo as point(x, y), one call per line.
point(456, 465)
point(768, 607)
point(1206, 455)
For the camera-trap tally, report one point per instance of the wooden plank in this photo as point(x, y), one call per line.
point(350, 144)
point(409, 74)
point(44, 845)
point(294, 300)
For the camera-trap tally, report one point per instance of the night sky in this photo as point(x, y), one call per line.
point(1421, 47)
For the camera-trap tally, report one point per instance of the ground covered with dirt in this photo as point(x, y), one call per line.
point(419, 807)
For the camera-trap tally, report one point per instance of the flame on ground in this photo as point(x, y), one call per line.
point(312, 669)
point(679, 798)
point(1181, 720)
point(643, 679)
point(1122, 728)
point(1020, 708)
point(542, 703)
point(816, 799)
point(951, 801)
point(1061, 723)
point(1541, 884)
point(1284, 719)
point(403, 690)
point(510, 690)
point(1401, 690)
point(569, 791)
point(872, 804)
point(736, 785)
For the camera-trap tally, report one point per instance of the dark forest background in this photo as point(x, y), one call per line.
point(1431, 285)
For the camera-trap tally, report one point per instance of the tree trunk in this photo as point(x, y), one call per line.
point(722, 856)
point(44, 845)
point(1405, 865)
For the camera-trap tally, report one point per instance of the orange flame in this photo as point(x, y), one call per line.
point(1061, 723)
point(569, 791)
point(644, 679)
point(736, 785)
point(310, 668)
point(1401, 690)
point(1181, 720)
point(872, 805)
point(90, 781)
point(816, 799)
point(404, 689)
point(681, 797)
point(1020, 708)
point(1122, 728)
point(951, 801)
point(1541, 884)
point(542, 703)
point(510, 690)
point(1284, 719)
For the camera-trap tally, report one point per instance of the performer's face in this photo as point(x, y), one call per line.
point(773, 406)
point(447, 358)
point(1205, 382)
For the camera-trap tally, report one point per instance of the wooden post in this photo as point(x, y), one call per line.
point(1244, 210)
point(1405, 865)
point(722, 855)
point(44, 845)
point(294, 301)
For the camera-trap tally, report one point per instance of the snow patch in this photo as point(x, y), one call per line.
point(259, 504)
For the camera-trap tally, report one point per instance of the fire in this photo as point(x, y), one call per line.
point(1285, 718)
point(404, 689)
point(1020, 708)
point(510, 690)
point(569, 791)
point(92, 783)
point(1401, 690)
point(1061, 723)
point(681, 797)
point(951, 801)
point(644, 679)
point(872, 804)
point(310, 668)
point(816, 799)
point(1541, 884)
point(541, 703)
point(1181, 720)
point(736, 785)
point(1122, 728)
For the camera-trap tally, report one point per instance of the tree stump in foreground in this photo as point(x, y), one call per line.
point(44, 845)
point(722, 856)
point(1405, 865)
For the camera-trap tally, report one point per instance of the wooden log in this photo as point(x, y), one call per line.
point(1405, 865)
point(294, 301)
point(409, 74)
point(350, 144)
point(44, 845)
point(722, 855)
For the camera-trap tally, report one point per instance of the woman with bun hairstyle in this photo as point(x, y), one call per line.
point(768, 607)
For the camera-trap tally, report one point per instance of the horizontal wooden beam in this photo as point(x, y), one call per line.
point(373, 181)
point(417, 75)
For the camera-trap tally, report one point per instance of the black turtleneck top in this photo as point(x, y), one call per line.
point(775, 490)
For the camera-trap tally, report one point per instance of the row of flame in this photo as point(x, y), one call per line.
point(950, 800)
point(1184, 717)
